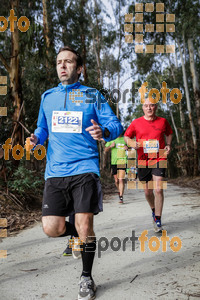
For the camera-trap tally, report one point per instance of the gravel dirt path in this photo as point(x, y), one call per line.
point(35, 268)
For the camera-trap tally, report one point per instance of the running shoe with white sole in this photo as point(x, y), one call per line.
point(87, 288)
point(76, 248)
point(153, 216)
point(121, 199)
point(157, 225)
point(67, 251)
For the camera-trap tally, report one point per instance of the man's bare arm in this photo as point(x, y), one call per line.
point(109, 147)
point(131, 143)
point(169, 141)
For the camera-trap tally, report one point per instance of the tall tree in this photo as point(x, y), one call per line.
point(97, 40)
point(195, 81)
point(192, 126)
point(12, 66)
point(120, 33)
point(46, 36)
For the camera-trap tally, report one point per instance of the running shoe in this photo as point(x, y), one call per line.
point(87, 288)
point(67, 251)
point(153, 216)
point(157, 225)
point(121, 199)
point(76, 248)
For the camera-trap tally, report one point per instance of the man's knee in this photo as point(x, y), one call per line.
point(85, 227)
point(53, 228)
point(159, 191)
point(116, 180)
point(148, 192)
point(53, 231)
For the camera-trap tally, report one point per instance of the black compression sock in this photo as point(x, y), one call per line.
point(153, 210)
point(158, 217)
point(88, 254)
point(70, 230)
point(72, 219)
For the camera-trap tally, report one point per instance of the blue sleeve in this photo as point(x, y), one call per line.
point(107, 119)
point(42, 129)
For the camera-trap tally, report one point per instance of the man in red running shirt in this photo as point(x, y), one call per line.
point(150, 131)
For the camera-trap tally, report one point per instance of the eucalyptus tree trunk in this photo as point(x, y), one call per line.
point(192, 127)
point(97, 47)
point(13, 69)
point(182, 117)
point(84, 51)
point(184, 144)
point(118, 59)
point(195, 81)
point(84, 55)
point(176, 58)
point(46, 32)
point(14, 75)
point(171, 114)
point(199, 52)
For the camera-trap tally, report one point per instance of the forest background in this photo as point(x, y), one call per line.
point(96, 29)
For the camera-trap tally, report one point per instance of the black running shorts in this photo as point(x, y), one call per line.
point(145, 174)
point(64, 196)
point(114, 169)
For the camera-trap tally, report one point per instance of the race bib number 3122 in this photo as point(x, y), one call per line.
point(67, 121)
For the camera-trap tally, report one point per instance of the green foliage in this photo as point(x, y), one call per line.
point(84, 25)
point(25, 181)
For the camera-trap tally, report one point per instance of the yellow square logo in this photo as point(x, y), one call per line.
point(140, 28)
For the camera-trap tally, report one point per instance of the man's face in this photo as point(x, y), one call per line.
point(149, 109)
point(67, 67)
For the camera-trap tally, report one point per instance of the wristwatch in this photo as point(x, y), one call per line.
point(106, 133)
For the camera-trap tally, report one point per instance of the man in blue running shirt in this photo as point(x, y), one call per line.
point(73, 117)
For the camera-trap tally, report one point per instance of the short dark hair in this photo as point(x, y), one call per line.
point(79, 59)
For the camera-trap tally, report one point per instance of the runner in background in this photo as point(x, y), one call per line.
point(118, 163)
point(149, 131)
point(68, 251)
